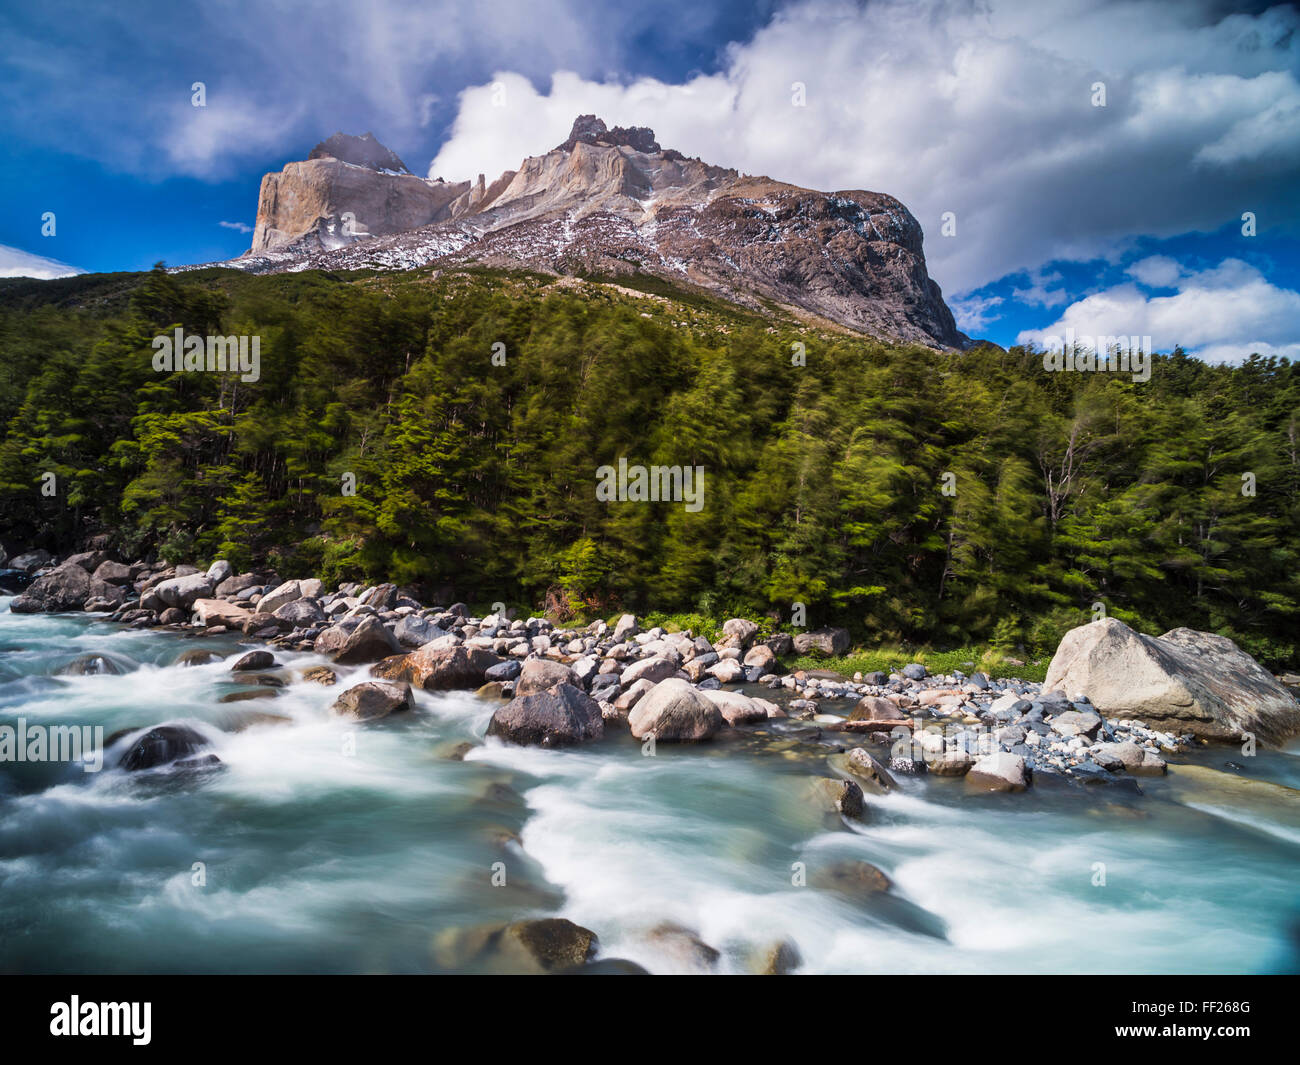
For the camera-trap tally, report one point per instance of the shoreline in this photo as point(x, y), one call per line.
point(563, 685)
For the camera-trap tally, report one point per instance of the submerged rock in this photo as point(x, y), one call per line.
point(372, 700)
point(162, 745)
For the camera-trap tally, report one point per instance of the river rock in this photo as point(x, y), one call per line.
point(281, 595)
point(414, 631)
point(112, 573)
point(366, 641)
point(741, 630)
point(181, 592)
point(998, 771)
point(504, 671)
point(60, 590)
point(538, 674)
point(448, 668)
point(675, 711)
point(253, 661)
point(625, 628)
point(237, 584)
point(829, 641)
point(736, 709)
point(1183, 681)
point(875, 708)
point(552, 943)
point(30, 561)
point(300, 614)
point(373, 699)
point(952, 764)
point(219, 571)
point(559, 716)
point(162, 745)
point(865, 766)
point(219, 612)
point(652, 669)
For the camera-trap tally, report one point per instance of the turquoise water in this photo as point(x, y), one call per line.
point(331, 847)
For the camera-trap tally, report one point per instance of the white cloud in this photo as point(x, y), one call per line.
point(238, 227)
point(974, 313)
point(980, 109)
point(1156, 271)
point(14, 262)
point(1040, 293)
point(1221, 314)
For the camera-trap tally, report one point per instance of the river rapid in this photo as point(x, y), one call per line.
point(322, 845)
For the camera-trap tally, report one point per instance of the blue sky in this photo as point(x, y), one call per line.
point(1123, 214)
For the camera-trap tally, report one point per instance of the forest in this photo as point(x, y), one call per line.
point(444, 430)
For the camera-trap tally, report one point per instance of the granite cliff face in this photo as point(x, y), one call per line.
point(611, 202)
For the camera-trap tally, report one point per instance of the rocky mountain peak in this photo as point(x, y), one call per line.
point(609, 202)
point(360, 151)
point(588, 129)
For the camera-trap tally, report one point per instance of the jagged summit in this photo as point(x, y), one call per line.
point(610, 202)
point(359, 151)
point(588, 129)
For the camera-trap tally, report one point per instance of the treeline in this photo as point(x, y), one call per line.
point(915, 496)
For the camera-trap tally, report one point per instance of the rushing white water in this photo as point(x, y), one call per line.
point(327, 846)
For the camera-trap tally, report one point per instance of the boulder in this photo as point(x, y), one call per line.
point(632, 696)
point(952, 764)
point(373, 699)
point(652, 669)
point(112, 573)
point(367, 641)
point(538, 674)
point(30, 561)
point(254, 660)
point(736, 709)
point(828, 641)
point(504, 671)
point(552, 943)
point(63, 589)
point(414, 631)
point(448, 668)
point(219, 612)
point(674, 711)
point(162, 745)
point(625, 628)
point(181, 592)
point(874, 708)
point(300, 614)
point(864, 765)
point(999, 771)
point(288, 592)
point(219, 571)
point(844, 796)
point(237, 584)
point(1183, 681)
point(762, 656)
point(557, 717)
point(741, 630)
point(728, 671)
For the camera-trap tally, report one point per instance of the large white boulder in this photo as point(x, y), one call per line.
point(1183, 681)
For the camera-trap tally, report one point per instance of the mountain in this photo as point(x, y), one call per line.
point(610, 202)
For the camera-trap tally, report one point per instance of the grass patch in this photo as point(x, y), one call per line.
point(888, 660)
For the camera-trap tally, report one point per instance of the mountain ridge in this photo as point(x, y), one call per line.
point(610, 202)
